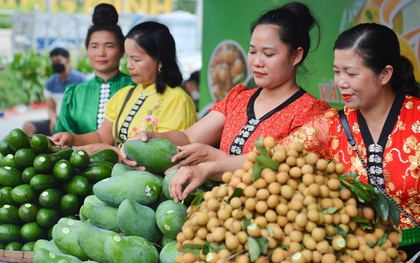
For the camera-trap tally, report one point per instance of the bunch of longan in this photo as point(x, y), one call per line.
point(300, 211)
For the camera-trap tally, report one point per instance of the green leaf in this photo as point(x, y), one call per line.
point(198, 199)
point(381, 240)
point(270, 231)
point(370, 244)
point(214, 247)
point(256, 172)
point(266, 162)
point(348, 176)
point(246, 222)
point(254, 248)
point(330, 210)
point(361, 193)
point(263, 244)
point(261, 148)
point(394, 213)
point(192, 248)
point(380, 203)
point(236, 193)
point(340, 231)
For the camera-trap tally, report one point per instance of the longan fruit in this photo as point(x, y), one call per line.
point(293, 183)
point(247, 166)
point(300, 162)
point(394, 237)
point(268, 175)
point(242, 258)
point(235, 202)
point(212, 224)
point(309, 200)
point(320, 179)
point(269, 141)
point(250, 191)
point(247, 178)
point(202, 233)
point(370, 238)
point(328, 258)
point(295, 172)
point(331, 167)
point(226, 177)
point(209, 195)
point(251, 156)
point(307, 178)
point(274, 188)
point(282, 220)
point(326, 203)
point(311, 159)
point(291, 215)
point(378, 233)
point(260, 220)
point(301, 219)
point(369, 255)
point(357, 255)
point(318, 234)
point(271, 216)
point(232, 242)
point(313, 215)
point(345, 219)
point(188, 258)
point(297, 146)
point(368, 213)
point(218, 234)
point(339, 168)
point(282, 209)
point(296, 236)
point(272, 201)
point(294, 247)
point(323, 247)
point(321, 164)
point(295, 204)
point(316, 256)
point(260, 183)
point(310, 226)
point(278, 255)
point(314, 190)
point(338, 243)
point(261, 207)
point(282, 177)
point(309, 243)
point(351, 211)
point(345, 194)
point(284, 167)
point(392, 252)
point(242, 237)
point(333, 184)
point(235, 181)
point(287, 191)
point(324, 191)
point(253, 230)
point(262, 194)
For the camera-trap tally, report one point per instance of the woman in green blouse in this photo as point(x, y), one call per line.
point(83, 106)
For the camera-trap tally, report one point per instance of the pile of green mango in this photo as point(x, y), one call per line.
point(41, 183)
point(128, 218)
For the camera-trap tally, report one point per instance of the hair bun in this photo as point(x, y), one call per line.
point(105, 14)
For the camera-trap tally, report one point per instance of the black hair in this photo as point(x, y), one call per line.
point(378, 47)
point(159, 44)
point(195, 76)
point(294, 21)
point(105, 18)
point(58, 51)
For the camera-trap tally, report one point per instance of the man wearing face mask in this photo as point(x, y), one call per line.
point(54, 90)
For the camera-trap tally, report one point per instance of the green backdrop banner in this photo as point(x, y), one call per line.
point(226, 36)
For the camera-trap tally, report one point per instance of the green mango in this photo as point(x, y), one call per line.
point(101, 215)
point(92, 239)
point(129, 249)
point(169, 252)
point(43, 255)
point(155, 154)
point(135, 219)
point(140, 186)
point(65, 234)
point(170, 218)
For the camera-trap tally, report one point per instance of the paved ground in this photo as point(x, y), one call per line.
point(16, 117)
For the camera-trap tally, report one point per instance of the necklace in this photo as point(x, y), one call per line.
point(147, 94)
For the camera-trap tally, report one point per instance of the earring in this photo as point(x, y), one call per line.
point(159, 70)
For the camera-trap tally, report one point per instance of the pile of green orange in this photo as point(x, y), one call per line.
point(41, 183)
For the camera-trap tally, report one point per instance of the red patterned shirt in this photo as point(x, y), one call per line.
point(238, 107)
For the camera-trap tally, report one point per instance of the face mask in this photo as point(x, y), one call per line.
point(195, 95)
point(58, 68)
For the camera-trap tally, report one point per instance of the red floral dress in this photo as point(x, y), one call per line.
point(399, 143)
point(242, 129)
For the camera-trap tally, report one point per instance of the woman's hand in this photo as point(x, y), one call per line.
point(63, 139)
point(143, 136)
point(196, 153)
point(195, 176)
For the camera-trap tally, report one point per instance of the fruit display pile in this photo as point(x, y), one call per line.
point(129, 218)
point(287, 205)
point(41, 183)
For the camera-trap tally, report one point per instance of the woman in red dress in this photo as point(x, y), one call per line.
point(382, 108)
point(278, 106)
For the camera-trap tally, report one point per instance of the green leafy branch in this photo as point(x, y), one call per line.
point(365, 193)
point(263, 160)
